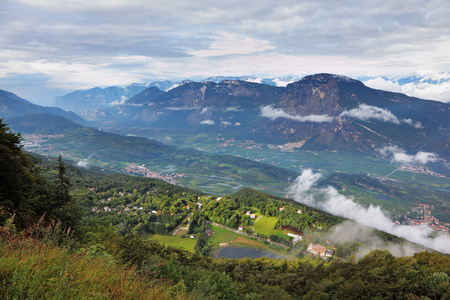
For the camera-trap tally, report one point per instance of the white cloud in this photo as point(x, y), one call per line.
point(204, 110)
point(438, 89)
point(398, 155)
point(283, 83)
point(232, 108)
point(416, 125)
point(121, 101)
point(275, 113)
point(95, 43)
point(366, 112)
point(372, 216)
point(84, 163)
point(383, 84)
point(225, 123)
point(182, 108)
point(207, 122)
point(226, 43)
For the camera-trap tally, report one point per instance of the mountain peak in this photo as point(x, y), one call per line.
point(327, 78)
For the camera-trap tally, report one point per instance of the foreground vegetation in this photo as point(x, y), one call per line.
point(96, 255)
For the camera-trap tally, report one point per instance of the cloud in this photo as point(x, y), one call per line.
point(373, 216)
point(232, 108)
point(225, 123)
point(121, 101)
point(283, 83)
point(84, 163)
point(366, 112)
point(207, 122)
point(275, 113)
point(348, 231)
point(416, 125)
point(226, 43)
point(204, 110)
point(95, 43)
point(399, 156)
point(182, 108)
point(431, 87)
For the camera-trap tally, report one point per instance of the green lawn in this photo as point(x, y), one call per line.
point(265, 225)
point(175, 241)
point(221, 236)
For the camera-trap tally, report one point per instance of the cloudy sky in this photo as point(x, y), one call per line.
point(51, 47)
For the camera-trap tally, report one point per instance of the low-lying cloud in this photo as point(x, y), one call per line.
point(275, 113)
point(207, 122)
point(366, 112)
point(181, 108)
point(232, 108)
point(373, 216)
point(399, 155)
point(349, 231)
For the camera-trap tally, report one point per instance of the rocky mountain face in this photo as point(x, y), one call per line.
point(319, 112)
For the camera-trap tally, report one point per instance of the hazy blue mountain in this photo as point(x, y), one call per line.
point(85, 102)
point(12, 105)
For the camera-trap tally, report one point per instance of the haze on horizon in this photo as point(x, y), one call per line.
point(49, 48)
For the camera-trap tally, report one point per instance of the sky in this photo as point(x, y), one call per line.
point(51, 47)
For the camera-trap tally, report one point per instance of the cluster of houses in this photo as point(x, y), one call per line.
point(427, 219)
point(134, 168)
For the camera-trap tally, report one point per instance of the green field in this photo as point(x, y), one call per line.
point(265, 225)
point(175, 241)
point(233, 239)
point(221, 236)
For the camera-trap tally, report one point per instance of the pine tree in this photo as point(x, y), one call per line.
point(62, 184)
point(16, 177)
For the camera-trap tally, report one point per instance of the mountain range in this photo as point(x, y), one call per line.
point(320, 112)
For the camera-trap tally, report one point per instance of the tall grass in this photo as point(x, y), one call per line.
point(33, 268)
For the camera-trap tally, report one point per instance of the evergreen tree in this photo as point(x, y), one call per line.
point(62, 185)
point(16, 178)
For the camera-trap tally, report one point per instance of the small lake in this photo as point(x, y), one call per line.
point(242, 252)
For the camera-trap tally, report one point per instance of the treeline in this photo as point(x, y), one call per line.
point(25, 192)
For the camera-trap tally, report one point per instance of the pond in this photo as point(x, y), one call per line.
point(242, 252)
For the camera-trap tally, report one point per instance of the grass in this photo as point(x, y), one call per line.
point(30, 269)
point(175, 241)
point(221, 236)
point(265, 225)
point(233, 239)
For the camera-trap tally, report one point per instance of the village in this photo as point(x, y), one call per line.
point(142, 170)
point(424, 218)
point(32, 142)
point(418, 169)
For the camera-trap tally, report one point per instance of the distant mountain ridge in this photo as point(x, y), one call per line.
point(320, 112)
point(82, 101)
point(12, 105)
point(85, 102)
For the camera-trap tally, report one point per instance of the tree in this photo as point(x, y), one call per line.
point(62, 184)
point(16, 178)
